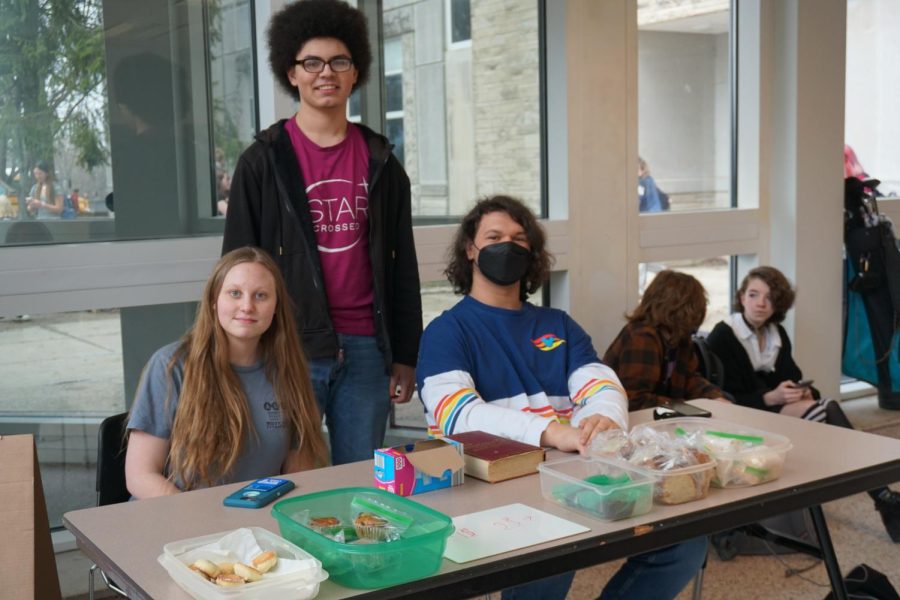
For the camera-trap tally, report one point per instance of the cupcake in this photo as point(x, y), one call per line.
point(369, 526)
point(325, 525)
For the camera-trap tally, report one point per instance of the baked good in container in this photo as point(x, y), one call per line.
point(678, 488)
point(229, 580)
point(370, 526)
point(265, 561)
point(207, 567)
point(246, 572)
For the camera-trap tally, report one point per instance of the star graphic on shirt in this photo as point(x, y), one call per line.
point(365, 186)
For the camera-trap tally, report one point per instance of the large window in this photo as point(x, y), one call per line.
point(872, 125)
point(684, 105)
point(467, 75)
point(98, 135)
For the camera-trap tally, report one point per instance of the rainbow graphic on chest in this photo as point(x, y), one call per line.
point(547, 342)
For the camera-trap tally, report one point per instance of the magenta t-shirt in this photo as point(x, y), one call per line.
point(338, 194)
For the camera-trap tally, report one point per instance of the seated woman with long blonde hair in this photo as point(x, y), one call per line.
point(232, 400)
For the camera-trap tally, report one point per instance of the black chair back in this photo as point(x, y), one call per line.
point(110, 486)
point(710, 365)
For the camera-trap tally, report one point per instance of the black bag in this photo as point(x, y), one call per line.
point(795, 525)
point(865, 583)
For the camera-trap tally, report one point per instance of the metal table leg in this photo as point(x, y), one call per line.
point(828, 555)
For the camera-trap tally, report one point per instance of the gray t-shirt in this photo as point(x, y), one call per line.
point(262, 455)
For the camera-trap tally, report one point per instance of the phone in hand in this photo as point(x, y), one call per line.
point(679, 409)
point(805, 383)
point(259, 493)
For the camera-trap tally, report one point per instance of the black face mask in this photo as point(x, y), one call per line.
point(504, 263)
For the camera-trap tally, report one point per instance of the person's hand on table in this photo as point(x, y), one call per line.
point(590, 427)
point(575, 439)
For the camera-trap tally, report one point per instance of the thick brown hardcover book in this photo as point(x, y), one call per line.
point(493, 458)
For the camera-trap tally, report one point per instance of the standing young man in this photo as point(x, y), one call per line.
point(331, 203)
point(497, 363)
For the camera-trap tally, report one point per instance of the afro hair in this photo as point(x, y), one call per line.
point(299, 22)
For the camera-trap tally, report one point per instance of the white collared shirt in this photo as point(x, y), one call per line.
point(762, 360)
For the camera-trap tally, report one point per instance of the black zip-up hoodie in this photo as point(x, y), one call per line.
point(268, 208)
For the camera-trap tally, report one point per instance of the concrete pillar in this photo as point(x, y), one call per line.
point(805, 165)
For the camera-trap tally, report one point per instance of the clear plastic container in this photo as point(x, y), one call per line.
point(300, 583)
point(744, 455)
point(416, 554)
point(597, 487)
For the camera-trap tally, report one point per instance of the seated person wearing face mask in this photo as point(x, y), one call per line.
point(496, 363)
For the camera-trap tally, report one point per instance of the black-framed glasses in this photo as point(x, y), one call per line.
point(314, 64)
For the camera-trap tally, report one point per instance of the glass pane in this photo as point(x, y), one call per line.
point(393, 85)
point(62, 374)
point(354, 107)
point(684, 105)
point(461, 23)
point(125, 120)
point(715, 275)
point(393, 56)
point(54, 138)
point(471, 119)
point(233, 91)
point(872, 126)
point(394, 133)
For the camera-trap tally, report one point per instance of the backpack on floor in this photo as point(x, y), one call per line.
point(797, 525)
point(865, 582)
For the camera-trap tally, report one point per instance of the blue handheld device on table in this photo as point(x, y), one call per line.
point(259, 493)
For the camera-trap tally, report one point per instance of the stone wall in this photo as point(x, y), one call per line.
point(506, 76)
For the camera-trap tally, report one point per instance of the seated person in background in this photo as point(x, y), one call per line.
point(653, 354)
point(232, 400)
point(496, 363)
point(761, 373)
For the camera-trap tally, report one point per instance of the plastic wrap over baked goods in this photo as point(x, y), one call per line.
point(744, 455)
point(683, 473)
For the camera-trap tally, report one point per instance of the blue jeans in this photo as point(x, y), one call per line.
point(353, 396)
point(657, 575)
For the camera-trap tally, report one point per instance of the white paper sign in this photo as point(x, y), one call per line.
point(504, 528)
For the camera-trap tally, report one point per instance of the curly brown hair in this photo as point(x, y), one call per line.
point(299, 22)
point(674, 304)
point(781, 294)
point(459, 267)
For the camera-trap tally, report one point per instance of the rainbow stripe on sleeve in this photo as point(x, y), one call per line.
point(447, 411)
point(595, 386)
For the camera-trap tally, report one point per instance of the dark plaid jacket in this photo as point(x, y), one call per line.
point(640, 358)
